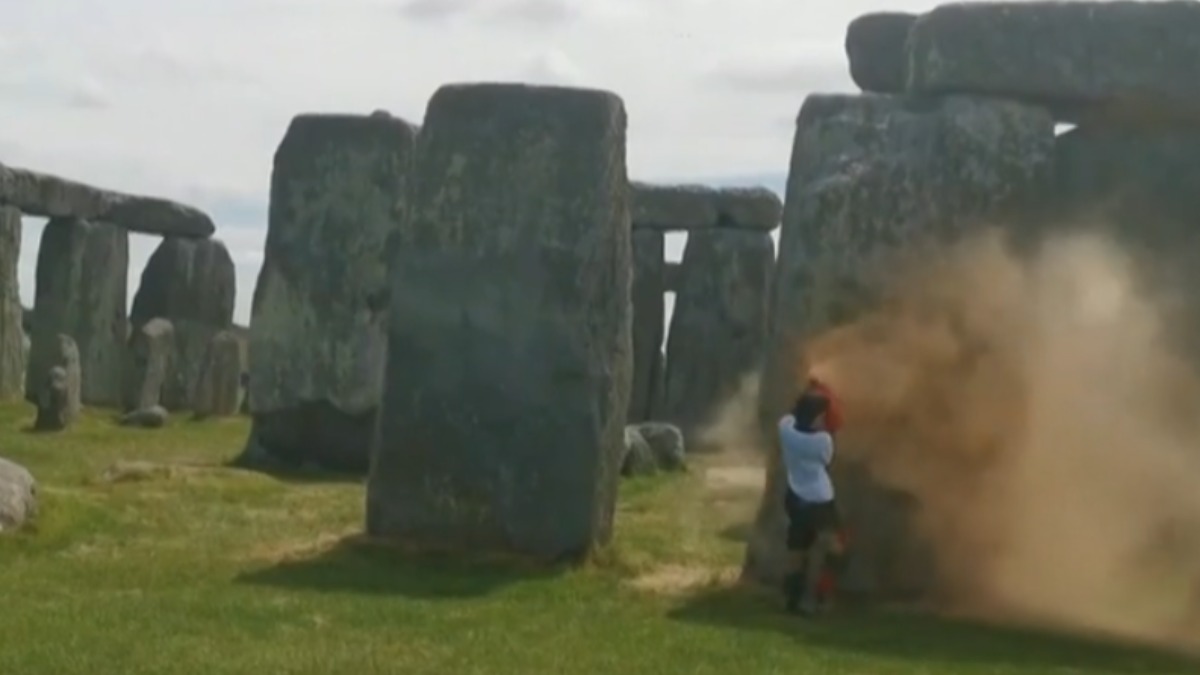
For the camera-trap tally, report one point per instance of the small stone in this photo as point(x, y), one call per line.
point(18, 496)
point(638, 459)
point(154, 417)
point(666, 444)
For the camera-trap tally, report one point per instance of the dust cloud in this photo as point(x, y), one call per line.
point(1032, 406)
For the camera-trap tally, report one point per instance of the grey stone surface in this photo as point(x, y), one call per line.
point(12, 333)
point(875, 45)
point(40, 194)
point(191, 279)
point(672, 274)
point(510, 336)
point(748, 208)
point(81, 281)
point(1134, 62)
point(18, 496)
point(692, 207)
point(218, 388)
point(719, 327)
point(151, 417)
point(638, 457)
point(672, 207)
point(666, 443)
point(872, 175)
point(58, 390)
point(648, 320)
point(319, 318)
point(149, 360)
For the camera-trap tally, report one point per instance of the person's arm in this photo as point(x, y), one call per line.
point(811, 447)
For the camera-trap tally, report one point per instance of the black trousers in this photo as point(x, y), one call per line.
point(808, 519)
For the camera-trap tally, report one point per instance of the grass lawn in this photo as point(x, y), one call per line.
point(197, 568)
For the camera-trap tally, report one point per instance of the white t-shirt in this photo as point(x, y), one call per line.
point(806, 458)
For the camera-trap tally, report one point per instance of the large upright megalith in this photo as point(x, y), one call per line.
point(870, 176)
point(12, 335)
point(191, 283)
point(509, 350)
point(188, 279)
point(318, 327)
point(81, 280)
point(719, 327)
point(649, 284)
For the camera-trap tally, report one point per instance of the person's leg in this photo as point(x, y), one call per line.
point(824, 542)
point(799, 537)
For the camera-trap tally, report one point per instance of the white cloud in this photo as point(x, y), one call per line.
point(198, 93)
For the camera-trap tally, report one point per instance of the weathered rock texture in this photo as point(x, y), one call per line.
point(719, 327)
point(694, 207)
point(191, 283)
point(509, 359)
point(218, 388)
point(638, 456)
point(148, 360)
point(318, 327)
point(875, 45)
point(666, 445)
point(648, 321)
point(18, 496)
point(187, 279)
point(671, 276)
point(871, 175)
point(40, 194)
point(81, 281)
point(1130, 61)
point(12, 359)
point(58, 398)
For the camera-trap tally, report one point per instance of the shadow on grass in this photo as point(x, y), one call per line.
point(925, 638)
point(358, 565)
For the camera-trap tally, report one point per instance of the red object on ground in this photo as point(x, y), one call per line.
point(833, 416)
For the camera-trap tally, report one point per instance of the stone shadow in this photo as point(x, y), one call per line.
point(358, 565)
point(924, 639)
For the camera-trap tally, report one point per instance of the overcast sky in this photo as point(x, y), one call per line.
point(187, 99)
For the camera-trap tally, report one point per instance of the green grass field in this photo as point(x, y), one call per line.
point(184, 566)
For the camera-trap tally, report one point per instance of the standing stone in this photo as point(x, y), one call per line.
point(218, 387)
point(318, 339)
point(81, 280)
point(1127, 61)
point(719, 327)
point(58, 391)
point(510, 343)
point(875, 46)
point(148, 364)
point(191, 279)
point(12, 361)
point(648, 329)
point(871, 175)
point(193, 284)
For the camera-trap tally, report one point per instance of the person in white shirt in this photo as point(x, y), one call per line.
point(813, 521)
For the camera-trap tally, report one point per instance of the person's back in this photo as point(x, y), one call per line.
point(806, 457)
